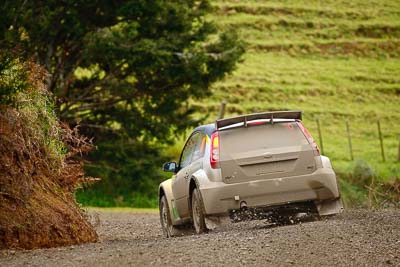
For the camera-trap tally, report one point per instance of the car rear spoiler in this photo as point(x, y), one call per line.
point(291, 114)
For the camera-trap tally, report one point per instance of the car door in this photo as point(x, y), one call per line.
point(189, 163)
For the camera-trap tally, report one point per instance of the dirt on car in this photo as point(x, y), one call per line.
point(132, 238)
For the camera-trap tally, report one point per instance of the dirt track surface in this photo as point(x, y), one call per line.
point(354, 238)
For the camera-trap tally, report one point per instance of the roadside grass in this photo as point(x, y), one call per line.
point(122, 209)
point(92, 198)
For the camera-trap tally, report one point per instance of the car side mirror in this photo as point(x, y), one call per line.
point(169, 167)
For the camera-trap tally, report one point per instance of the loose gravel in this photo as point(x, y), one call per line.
point(127, 238)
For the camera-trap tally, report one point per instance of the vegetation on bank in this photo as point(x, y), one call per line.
point(38, 170)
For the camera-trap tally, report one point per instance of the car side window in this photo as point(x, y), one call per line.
point(187, 152)
point(200, 146)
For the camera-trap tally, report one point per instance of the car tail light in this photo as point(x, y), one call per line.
point(214, 153)
point(310, 139)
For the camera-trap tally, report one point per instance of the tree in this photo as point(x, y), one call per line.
point(123, 70)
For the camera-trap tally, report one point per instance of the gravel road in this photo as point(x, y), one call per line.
point(128, 238)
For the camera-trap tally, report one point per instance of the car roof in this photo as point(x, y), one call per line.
point(209, 129)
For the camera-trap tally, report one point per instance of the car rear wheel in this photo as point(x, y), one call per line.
point(169, 230)
point(197, 212)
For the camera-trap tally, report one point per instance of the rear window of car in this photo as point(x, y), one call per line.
point(263, 136)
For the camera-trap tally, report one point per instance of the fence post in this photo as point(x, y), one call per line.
point(381, 141)
point(320, 137)
point(349, 140)
point(398, 154)
point(222, 110)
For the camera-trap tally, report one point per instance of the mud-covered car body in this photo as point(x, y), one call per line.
point(258, 160)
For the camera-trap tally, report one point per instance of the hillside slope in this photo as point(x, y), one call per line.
point(335, 60)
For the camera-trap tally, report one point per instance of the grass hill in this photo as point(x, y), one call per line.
point(335, 60)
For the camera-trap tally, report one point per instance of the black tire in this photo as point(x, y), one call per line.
point(165, 218)
point(198, 212)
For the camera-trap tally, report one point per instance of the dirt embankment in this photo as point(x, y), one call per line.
point(38, 171)
point(37, 207)
point(354, 238)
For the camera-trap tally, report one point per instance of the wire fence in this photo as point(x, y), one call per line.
point(350, 140)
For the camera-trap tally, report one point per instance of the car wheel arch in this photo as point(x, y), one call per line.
point(196, 180)
point(192, 185)
point(161, 193)
point(165, 189)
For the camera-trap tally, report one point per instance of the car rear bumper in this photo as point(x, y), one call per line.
point(220, 198)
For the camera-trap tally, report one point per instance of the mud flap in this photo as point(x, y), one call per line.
point(329, 207)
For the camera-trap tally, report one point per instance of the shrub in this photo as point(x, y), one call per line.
point(363, 174)
point(13, 78)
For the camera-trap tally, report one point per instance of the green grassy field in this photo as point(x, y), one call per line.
point(122, 209)
point(335, 60)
